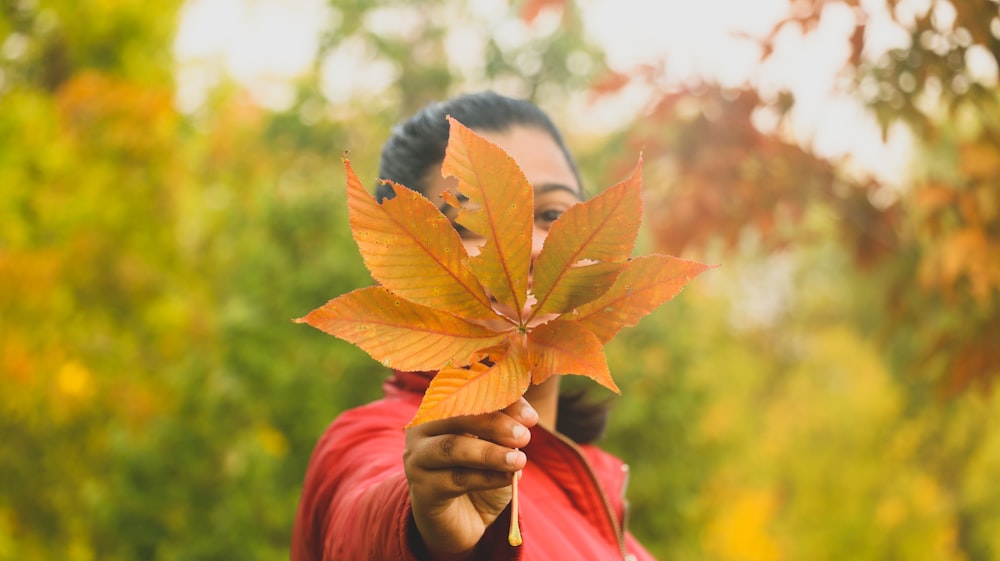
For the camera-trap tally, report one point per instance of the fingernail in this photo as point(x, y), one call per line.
point(513, 456)
point(529, 412)
point(519, 431)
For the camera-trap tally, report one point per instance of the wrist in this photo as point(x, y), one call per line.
point(425, 552)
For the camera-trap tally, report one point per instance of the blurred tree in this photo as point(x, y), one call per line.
point(156, 400)
point(541, 53)
point(941, 230)
point(930, 251)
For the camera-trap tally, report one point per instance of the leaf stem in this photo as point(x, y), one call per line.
point(514, 537)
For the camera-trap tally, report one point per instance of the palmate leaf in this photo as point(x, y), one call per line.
point(435, 307)
point(412, 250)
point(501, 210)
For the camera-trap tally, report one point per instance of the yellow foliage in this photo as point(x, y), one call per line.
point(272, 440)
point(107, 113)
point(741, 531)
point(890, 512)
point(74, 381)
point(926, 496)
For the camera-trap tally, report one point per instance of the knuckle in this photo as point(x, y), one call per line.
point(460, 477)
point(491, 421)
point(497, 425)
point(448, 446)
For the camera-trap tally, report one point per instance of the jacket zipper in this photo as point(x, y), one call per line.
point(600, 490)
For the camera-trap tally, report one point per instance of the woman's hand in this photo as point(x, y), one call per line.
point(459, 471)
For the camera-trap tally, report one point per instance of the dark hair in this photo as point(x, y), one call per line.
point(581, 417)
point(417, 144)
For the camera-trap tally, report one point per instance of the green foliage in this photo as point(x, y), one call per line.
point(653, 360)
point(157, 402)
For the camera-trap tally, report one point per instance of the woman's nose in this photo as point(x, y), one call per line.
point(538, 236)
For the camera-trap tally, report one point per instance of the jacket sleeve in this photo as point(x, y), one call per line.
point(355, 500)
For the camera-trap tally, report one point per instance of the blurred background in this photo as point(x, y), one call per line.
point(171, 195)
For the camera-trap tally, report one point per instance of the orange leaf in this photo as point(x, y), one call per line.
point(501, 210)
point(398, 333)
point(979, 161)
point(412, 249)
point(531, 8)
point(602, 229)
point(578, 285)
point(432, 309)
point(566, 347)
point(475, 390)
point(645, 284)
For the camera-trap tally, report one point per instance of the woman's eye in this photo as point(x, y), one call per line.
point(548, 216)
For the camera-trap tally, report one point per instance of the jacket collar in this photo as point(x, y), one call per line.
point(401, 383)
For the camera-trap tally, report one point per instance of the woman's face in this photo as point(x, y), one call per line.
point(544, 165)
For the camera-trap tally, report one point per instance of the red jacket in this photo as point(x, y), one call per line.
point(355, 503)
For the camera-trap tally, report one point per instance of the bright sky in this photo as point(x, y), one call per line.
point(266, 43)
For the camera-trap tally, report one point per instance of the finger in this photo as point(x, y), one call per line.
point(452, 450)
point(499, 427)
point(522, 412)
point(459, 481)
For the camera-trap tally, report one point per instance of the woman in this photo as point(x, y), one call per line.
point(441, 490)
